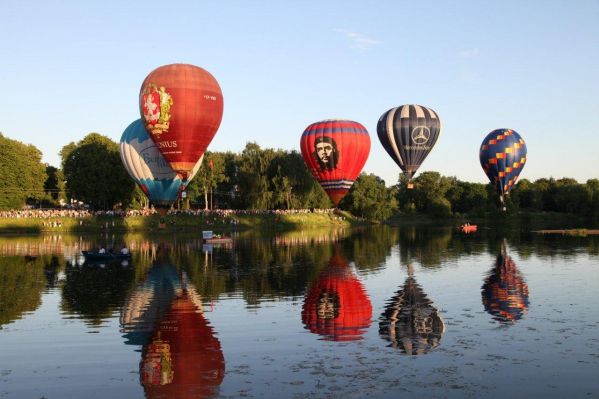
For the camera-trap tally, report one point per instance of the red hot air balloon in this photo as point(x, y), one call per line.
point(182, 107)
point(337, 305)
point(335, 151)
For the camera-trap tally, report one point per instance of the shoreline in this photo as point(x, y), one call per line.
point(176, 223)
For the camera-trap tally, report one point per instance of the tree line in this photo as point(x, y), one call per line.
point(263, 178)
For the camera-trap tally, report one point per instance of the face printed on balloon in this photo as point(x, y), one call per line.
point(326, 153)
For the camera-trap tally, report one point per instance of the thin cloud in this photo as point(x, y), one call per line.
point(358, 40)
point(469, 53)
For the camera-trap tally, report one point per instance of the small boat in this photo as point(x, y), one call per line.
point(210, 238)
point(107, 256)
point(218, 240)
point(467, 228)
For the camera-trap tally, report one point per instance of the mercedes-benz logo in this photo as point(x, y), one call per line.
point(420, 135)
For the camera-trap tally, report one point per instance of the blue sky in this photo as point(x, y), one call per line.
point(68, 68)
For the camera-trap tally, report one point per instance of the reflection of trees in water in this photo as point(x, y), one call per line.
point(181, 356)
point(263, 267)
point(22, 282)
point(427, 246)
point(52, 266)
point(504, 292)
point(336, 305)
point(560, 246)
point(411, 322)
point(260, 270)
point(96, 291)
point(369, 248)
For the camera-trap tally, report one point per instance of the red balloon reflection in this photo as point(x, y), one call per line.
point(184, 358)
point(337, 306)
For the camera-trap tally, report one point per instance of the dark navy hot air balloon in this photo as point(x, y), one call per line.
point(335, 151)
point(502, 156)
point(408, 133)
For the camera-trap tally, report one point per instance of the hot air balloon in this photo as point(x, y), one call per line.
point(335, 152)
point(181, 106)
point(408, 133)
point(502, 156)
point(504, 292)
point(181, 356)
point(337, 306)
point(148, 168)
point(410, 321)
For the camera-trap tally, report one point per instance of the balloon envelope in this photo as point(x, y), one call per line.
point(181, 106)
point(335, 152)
point(337, 306)
point(505, 292)
point(184, 358)
point(502, 156)
point(408, 133)
point(411, 322)
point(148, 168)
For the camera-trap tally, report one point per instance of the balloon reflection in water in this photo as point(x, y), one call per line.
point(504, 292)
point(181, 357)
point(337, 306)
point(411, 322)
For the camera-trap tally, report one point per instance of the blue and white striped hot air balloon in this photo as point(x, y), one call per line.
point(149, 169)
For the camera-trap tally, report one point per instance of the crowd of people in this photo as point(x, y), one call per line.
point(83, 213)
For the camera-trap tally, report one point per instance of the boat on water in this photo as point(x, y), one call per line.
point(106, 256)
point(467, 228)
point(218, 240)
point(210, 238)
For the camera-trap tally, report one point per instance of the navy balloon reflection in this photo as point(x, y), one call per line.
point(504, 292)
point(410, 321)
point(336, 305)
point(181, 357)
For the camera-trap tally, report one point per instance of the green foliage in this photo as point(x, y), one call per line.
point(254, 184)
point(370, 199)
point(22, 175)
point(21, 285)
point(94, 172)
point(428, 193)
point(54, 185)
point(210, 175)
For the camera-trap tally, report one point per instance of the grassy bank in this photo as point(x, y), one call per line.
point(522, 219)
point(190, 223)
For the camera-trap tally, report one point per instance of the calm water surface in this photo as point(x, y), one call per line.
point(381, 312)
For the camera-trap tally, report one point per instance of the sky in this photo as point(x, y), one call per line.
point(69, 68)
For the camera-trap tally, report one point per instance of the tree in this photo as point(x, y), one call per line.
point(95, 174)
point(370, 199)
point(254, 184)
point(282, 189)
point(54, 184)
point(467, 197)
point(429, 193)
point(593, 186)
point(210, 175)
point(22, 174)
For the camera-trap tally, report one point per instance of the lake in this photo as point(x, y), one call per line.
point(376, 312)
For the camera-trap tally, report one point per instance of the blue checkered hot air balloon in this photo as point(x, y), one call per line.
point(502, 156)
point(149, 169)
